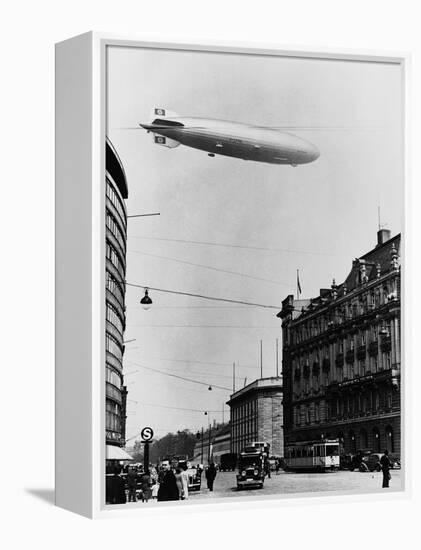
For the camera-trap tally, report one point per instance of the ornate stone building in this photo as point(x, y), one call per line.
point(115, 266)
point(341, 356)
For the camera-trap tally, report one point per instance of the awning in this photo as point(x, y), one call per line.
point(117, 453)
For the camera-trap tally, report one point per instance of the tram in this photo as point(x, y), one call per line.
point(313, 456)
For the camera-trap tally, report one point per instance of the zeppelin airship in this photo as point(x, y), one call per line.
point(231, 139)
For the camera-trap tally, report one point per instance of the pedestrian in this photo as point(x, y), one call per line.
point(185, 483)
point(168, 489)
point(179, 482)
point(132, 483)
point(277, 465)
point(155, 489)
point(267, 467)
point(115, 488)
point(210, 475)
point(145, 482)
point(386, 464)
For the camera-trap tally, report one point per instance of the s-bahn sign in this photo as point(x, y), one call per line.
point(146, 434)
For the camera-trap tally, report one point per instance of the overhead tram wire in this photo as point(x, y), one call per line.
point(229, 245)
point(211, 268)
point(181, 377)
point(202, 296)
point(257, 327)
point(195, 361)
point(179, 408)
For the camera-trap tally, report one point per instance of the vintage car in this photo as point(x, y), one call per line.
point(374, 464)
point(195, 479)
point(195, 475)
point(251, 471)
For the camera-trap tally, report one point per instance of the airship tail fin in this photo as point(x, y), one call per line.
point(161, 112)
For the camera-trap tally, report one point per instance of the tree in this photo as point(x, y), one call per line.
point(138, 451)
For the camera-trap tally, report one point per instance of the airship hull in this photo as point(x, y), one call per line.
point(233, 139)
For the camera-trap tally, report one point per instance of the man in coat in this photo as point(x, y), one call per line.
point(385, 464)
point(115, 488)
point(168, 489)
point(211, 475)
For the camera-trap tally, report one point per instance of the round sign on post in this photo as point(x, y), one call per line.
point(146, 434)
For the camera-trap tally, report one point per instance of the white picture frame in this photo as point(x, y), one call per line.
point(80, 257)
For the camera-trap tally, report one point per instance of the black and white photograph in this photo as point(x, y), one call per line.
point(254, 217)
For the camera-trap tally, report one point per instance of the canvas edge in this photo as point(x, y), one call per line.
point(73, 275)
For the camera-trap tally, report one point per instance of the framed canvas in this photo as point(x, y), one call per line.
point(231, 243)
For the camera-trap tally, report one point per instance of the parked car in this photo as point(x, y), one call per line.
point(374, 463)
point(346, 461)
point(360, 460)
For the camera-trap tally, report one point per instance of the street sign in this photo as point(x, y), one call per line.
point(146, 434)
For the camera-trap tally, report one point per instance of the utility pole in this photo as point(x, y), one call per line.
point(209, 449)
point(277, 366)
point(261, 359)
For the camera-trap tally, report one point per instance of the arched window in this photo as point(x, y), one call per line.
point(363, 439)
point(376, 440)
point(352, 442)
point(390, 444)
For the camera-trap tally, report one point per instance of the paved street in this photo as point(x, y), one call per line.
point(289, 483)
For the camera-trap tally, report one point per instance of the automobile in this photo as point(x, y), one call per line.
point(195, 479)
point(360, 460)
point(347, 462)
point(374, 464)
point(272, 463)
point(195, 475)
point(251, 470)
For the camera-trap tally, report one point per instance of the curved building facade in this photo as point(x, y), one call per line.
point(115, 266)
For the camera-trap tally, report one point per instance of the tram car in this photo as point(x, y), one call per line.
point(313, 456)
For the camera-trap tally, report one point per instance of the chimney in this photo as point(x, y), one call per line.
point(383, 235)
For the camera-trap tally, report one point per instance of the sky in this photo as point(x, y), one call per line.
point(261, 222)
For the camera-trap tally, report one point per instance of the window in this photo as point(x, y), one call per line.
point(317, 412)
point(113, 416)
point(116, 201)
point(113, 377)
point(113, 347)
point(390, 444)
point(113, 317)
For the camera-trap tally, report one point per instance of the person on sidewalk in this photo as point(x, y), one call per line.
point(211, 475)
point(168, 489)
point(386, 465)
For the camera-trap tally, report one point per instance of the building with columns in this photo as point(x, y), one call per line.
point(341, 356)
point(256, 414)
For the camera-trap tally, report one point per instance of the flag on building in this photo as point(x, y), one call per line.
point(298, 284)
